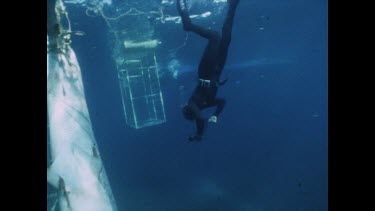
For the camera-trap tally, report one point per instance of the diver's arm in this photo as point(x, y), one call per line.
point(200, 128)
point(220, 103)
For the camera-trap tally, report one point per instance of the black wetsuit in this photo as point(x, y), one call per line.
point(211, 64)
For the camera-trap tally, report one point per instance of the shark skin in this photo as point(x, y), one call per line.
point(76, 161)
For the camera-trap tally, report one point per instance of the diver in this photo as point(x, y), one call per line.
point(210, 68)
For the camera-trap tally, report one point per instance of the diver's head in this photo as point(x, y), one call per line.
point(188, 113)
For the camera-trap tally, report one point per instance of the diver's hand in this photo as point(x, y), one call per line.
point(213, 119)
point(223, 82)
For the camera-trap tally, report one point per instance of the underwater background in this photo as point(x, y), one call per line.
point(269, 149)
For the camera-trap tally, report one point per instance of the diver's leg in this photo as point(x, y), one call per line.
point(226, 35)
point(189, 26)
point(200, 127)
point(199, 122)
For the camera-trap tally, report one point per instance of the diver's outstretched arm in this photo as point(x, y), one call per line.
point(189, 26)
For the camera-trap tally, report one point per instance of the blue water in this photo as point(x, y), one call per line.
point(268, 150)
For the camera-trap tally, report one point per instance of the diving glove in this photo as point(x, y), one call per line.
point(213, 119)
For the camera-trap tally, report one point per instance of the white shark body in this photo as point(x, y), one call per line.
point(77, 170)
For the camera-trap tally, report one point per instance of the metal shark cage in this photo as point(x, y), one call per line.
point(135, 56)
point(140, 86)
